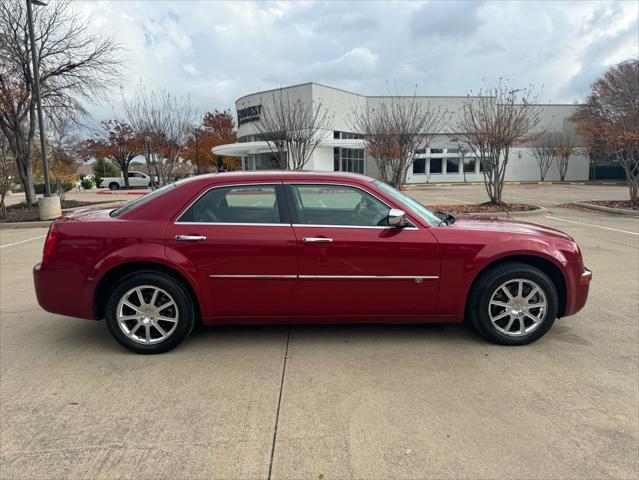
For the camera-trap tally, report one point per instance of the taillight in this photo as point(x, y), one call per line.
point(49, 244)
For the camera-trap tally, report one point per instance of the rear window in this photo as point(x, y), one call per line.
point(142, 200)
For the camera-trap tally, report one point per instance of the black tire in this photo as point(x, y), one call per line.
point(488, 283)
point(185, 311)
point(114, 186)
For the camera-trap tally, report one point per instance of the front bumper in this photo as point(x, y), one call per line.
point(577, 288)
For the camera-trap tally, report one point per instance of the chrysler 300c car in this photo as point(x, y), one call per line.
point(284, 247)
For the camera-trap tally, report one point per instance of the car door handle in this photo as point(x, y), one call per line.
point(190, 238)
point(317, 240)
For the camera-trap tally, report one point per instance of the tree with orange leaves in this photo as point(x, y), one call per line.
point(217, 128)
point(116, 141)
point(609, 119)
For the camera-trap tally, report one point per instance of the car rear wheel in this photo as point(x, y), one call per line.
point(513, 304)
point(114, 186)
point(150, 312)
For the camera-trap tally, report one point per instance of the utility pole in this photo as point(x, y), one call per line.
point(36, 92)
point(49, 207)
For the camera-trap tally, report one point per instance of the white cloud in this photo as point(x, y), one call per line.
point(218, 51)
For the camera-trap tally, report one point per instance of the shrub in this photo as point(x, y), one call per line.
point(39, 187)
point(87, 183)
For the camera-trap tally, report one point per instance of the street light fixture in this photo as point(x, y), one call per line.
point(50, 207)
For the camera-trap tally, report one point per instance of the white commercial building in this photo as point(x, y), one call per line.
point(341, 150)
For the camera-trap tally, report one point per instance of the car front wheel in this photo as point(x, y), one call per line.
point(149, 312)
point(114, 186)
point(513, 304)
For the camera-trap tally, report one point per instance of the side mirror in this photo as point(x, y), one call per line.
point(396, 217)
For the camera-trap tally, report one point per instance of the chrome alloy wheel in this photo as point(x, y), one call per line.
point(147, 314)
point(517, 307)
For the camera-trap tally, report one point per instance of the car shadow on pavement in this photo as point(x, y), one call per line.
point(95, 335)
point(331, 333)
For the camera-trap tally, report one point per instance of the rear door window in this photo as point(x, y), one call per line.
point(246, 204)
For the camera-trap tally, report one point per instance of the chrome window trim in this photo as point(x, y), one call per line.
point(416, 278)
point(299, 225)
point(412, 227)
point(226, 185)
point(236, 224)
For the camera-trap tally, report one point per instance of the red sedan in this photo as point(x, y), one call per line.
point(285, 247)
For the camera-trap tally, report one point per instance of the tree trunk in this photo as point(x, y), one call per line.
point(24, 166)
point(125, 174)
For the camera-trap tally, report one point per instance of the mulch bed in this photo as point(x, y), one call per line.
point(482, 208)
point(625, 204)
point(22, 213)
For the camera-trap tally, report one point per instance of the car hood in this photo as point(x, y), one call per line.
point(505, 225)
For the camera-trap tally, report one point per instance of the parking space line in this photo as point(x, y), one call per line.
point(22, 241)
point(591, 225)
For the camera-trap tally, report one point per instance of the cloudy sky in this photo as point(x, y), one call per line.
point(217, 51)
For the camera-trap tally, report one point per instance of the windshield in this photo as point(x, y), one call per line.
point(143, 199)
point(413, 204)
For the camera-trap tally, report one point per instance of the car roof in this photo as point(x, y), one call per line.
point(279, 175)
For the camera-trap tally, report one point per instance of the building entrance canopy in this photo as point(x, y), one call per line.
point(251, 148)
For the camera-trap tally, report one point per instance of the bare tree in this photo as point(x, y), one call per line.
point(63, 144)
point(76, 66)
point(463, 151)
point(565, 146)
point(7, 172)
point(293, 128)
point(609, 119)
point(393, 130)
point(164, 123)
point(494, 122)
point(543, 149)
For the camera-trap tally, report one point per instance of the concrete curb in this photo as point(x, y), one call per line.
point(614, 211)
point(529, 213)
point(46, 223)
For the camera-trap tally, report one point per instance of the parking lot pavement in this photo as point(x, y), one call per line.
point(431, 401)
point(542, 195)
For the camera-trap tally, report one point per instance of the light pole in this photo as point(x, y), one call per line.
point(196, 134)
point(48, 208)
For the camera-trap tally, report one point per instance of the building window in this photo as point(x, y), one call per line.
point(452, 150)
point(420, 151)
point(348, 160)
point(469, 165)
point(419, 165)
point(261, 161)
point(345, 135)
point(452, 165)
point(435, 166)
point(436, 151)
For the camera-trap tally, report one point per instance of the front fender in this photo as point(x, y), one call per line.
point(464, 259)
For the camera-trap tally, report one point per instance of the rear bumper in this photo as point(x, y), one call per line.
point(577, 287)
point(60, 292)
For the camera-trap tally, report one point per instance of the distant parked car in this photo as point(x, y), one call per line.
point(303, 247)
point(136, 180)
